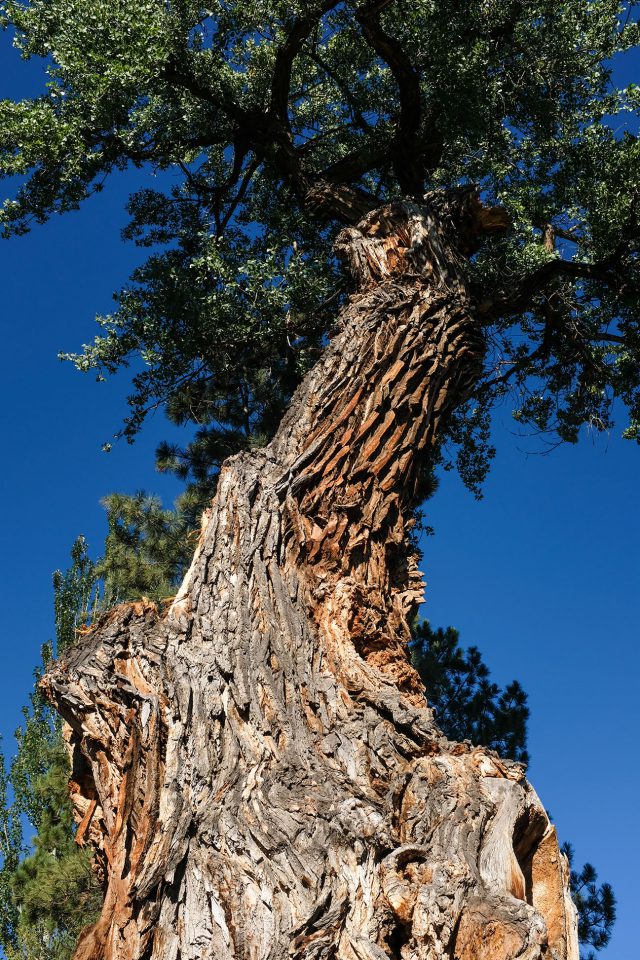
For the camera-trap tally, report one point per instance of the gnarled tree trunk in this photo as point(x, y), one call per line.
point(258, 767)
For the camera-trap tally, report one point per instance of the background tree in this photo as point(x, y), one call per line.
point(469, 706)
point(596, 905)
point(147, 550)
point(48, 890)
point(443, 305)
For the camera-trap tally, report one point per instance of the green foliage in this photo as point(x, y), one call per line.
point(147, 550)
point(52, 889)
point(596, 905)
point(250, 106)
point(467, 705)
point(48, 891)
point(75, 597)
point(224, 339)
point(10, 852)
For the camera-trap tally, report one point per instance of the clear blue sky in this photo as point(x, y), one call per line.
point(542, 574)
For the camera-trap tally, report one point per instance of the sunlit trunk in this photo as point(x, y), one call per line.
point(258, 767)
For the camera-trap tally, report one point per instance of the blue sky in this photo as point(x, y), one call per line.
point(542, 574)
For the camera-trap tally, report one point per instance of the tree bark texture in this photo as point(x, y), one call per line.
point(257, 767)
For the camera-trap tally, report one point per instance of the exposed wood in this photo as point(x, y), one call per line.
point(258, 767)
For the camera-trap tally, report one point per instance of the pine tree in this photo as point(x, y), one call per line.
point(10, 852)
point(48, 889)
point(596, 905)
point(147, 550)
point(468, 706)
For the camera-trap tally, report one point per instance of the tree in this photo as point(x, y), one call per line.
point(147, 550)
point(468, 706)
point(48, 890)
point(596, 905)
point(438, 188)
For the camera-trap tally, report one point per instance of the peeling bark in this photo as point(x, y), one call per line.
point(257, 768)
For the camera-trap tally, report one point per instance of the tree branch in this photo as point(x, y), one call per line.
point(317, 192)
point(240, 194)
point(407, 155)
point(268, 133)
point(353, 166)
point(175, 76)
point(609, 338)
point(281, 83)
point(358, 116)
point(520, 298)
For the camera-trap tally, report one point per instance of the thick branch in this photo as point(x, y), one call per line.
point(320, 197)
point(281, 84)
point(608, 338)
point(356, 164)
point(407, 159)
point(262, 132)
point(269, 137)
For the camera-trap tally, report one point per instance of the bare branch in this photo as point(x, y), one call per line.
point(609, 338)
point(550, 231)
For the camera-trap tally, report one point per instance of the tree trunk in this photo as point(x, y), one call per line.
point(258, 768)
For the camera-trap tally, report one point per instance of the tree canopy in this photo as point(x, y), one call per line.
point(280, 121)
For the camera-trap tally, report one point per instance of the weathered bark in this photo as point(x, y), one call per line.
point(257, 767)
